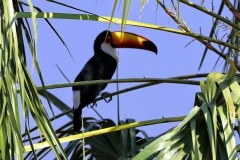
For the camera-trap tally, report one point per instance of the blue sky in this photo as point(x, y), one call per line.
point(173, 59)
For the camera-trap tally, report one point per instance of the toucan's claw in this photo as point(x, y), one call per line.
point(104, 94)
point(93, 104)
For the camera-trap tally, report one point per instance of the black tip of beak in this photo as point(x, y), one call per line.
point(150, 46)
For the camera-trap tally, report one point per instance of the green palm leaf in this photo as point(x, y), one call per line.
point(215, 125)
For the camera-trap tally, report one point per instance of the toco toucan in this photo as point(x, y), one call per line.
point(102, 66)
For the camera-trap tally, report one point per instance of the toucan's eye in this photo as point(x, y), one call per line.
point(108, 40)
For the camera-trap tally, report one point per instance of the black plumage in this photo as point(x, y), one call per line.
point(100, 66)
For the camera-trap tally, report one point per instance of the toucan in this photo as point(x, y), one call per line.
point(102, 66)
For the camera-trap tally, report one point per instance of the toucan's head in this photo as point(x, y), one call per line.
point(108, 41)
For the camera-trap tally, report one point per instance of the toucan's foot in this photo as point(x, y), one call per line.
point(93, 104)
point(104, 94)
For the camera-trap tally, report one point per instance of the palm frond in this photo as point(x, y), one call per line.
point(213, 138)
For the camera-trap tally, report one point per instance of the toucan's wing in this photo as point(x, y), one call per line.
point(91, 71)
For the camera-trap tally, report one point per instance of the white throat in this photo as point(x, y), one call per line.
point(107, 48)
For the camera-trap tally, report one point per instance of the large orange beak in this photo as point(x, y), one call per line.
point(130, 40)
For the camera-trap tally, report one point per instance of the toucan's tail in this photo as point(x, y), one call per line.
point(77, 119)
